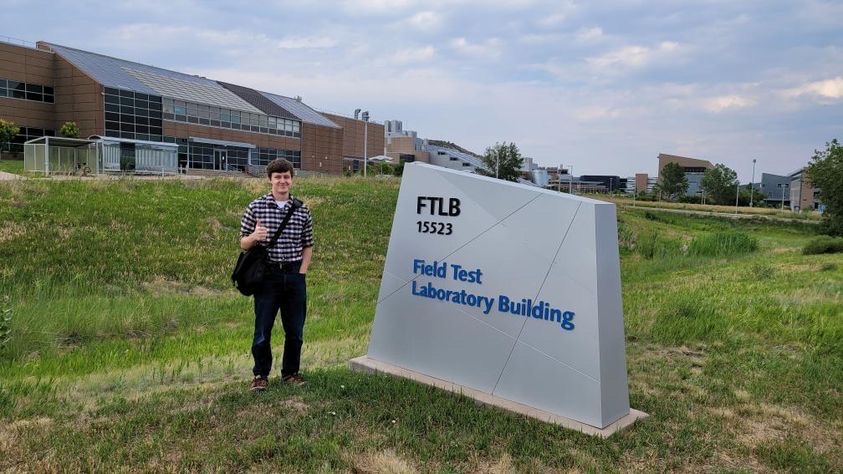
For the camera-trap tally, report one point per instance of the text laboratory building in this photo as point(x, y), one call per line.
point(216, 125)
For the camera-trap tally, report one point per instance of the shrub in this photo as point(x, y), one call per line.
point(722, 244)
point(652, 246)
point(823, 244)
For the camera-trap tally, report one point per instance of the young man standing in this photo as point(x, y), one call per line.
point(284, 288)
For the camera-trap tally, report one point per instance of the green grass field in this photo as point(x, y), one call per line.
point(129, 349)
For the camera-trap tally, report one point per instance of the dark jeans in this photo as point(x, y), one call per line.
point(284, 290)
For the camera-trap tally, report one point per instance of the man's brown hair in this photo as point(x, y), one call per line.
point(279, 165)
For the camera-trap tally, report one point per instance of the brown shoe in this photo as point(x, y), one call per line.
point(259, 384)
point(294, 379)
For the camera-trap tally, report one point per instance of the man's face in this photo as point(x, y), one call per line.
point(281, 182)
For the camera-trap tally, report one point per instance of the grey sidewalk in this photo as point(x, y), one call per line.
point(9, 176)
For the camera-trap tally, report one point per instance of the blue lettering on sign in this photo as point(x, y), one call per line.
point(541, 310)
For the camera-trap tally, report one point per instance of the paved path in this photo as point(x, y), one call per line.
point(9, 176)
point(728, 215)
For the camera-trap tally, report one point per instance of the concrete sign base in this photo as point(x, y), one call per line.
point(365, 364)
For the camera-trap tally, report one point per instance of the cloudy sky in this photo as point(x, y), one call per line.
point(605, 85)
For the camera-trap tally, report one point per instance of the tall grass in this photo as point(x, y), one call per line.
point(722, 244)
point(130, 350)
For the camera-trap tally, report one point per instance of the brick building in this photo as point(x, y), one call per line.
point(216, 125)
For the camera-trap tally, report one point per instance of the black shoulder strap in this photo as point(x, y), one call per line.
point(294, 204)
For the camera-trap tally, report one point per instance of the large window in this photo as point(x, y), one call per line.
point(208, 156)
point(132, 115)
point(262, 156)
point(180, 111)
point(26, 91)
point(28, 133)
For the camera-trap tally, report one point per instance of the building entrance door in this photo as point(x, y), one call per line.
point(220, 161)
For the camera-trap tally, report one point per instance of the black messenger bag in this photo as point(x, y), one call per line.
point(252, 265)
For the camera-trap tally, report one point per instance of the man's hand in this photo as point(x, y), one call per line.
point(260, 232)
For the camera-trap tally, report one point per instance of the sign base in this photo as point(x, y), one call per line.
point(368, 365)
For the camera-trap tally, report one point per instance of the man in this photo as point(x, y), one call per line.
point(284, 288)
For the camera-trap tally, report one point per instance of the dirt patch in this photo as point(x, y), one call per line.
point(312, 201)
point(11, 230)
point(382, 462)
point(10, 433)
point(295, 404)
point(742, 395)
point(214, 224)
point(806, 296)
point(723, 412)
point(764, 423)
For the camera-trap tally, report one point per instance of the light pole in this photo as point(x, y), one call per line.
point(571, 179)
point(751, 182)
point(365, 141)
point(783, 187)
point(737, 195)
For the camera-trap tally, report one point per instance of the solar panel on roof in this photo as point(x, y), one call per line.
point(300, 110)
point(212, 94)
point(122, 74)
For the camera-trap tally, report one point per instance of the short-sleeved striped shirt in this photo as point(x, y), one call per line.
point(293, 239)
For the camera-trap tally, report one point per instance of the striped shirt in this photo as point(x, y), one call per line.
point(293, 239)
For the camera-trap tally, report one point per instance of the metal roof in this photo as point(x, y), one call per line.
point(122, 74)
point(259, 100)
point(300, 110)
point(470, 159)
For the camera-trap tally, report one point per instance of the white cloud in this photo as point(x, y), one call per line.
point(596, 112)
point(377, 6)
point(827, 89)
point(307, 42)
point(489, 49)
point(588, 35)
point(553, 20)
point(427, 21)
point(725, 102)
point(634, 56)
point(536, 39)
point(414, 55)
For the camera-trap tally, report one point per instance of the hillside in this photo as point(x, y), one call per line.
point(129, 348)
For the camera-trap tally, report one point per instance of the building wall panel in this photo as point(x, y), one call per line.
point(78, 99)
point(353, 133)
point(322, 149)
point(187, 130)
point(20, 63)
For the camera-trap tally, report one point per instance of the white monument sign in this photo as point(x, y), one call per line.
point(505, 292)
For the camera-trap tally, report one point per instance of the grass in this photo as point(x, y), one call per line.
point(12, 166)
point(823, 244)
point(128, 348)
point(709, 208)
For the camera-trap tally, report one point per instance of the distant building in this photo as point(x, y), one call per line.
point(603, 183)
point(449, 155)
point(776, 188)
point(803, 196)
point(694, 169)
point(640, 183)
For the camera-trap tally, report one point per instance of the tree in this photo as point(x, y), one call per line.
point(503, 160)
point(399, 169)
point(720, 184)
point(8, 131)
point(826, 173)
point(69, 130)
point(673, 182)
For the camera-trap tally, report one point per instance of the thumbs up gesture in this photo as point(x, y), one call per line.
point(260, 232)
